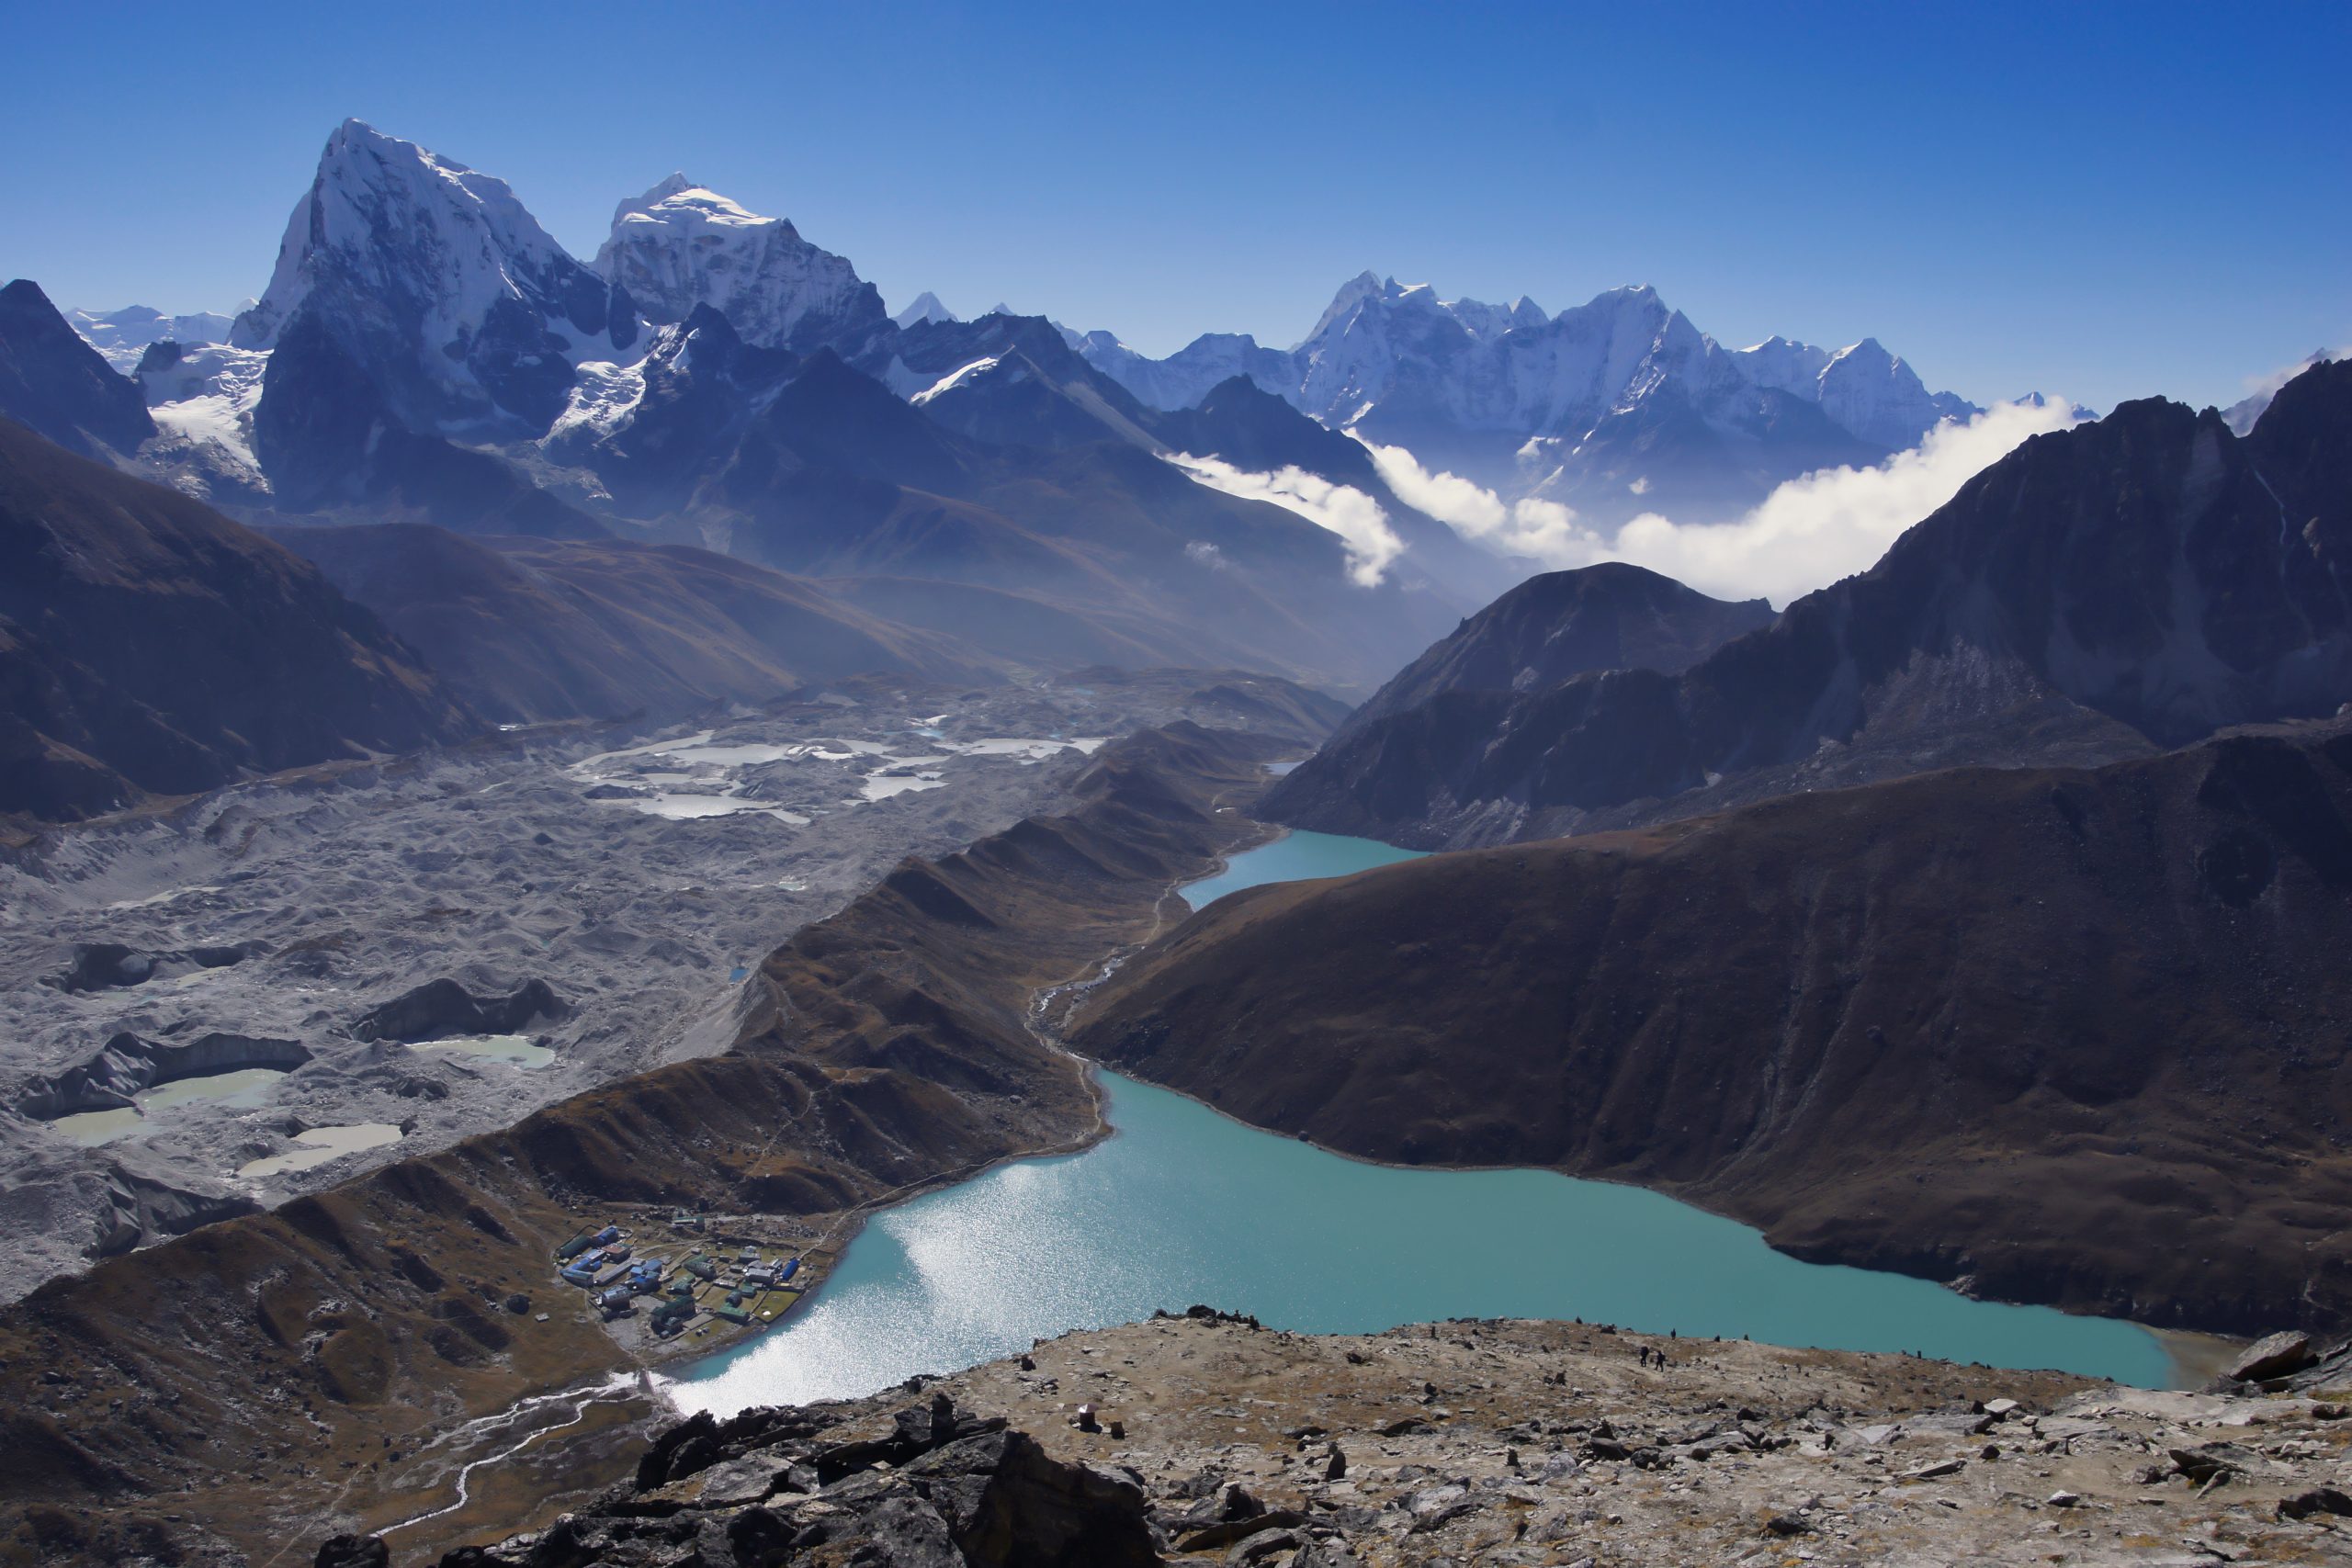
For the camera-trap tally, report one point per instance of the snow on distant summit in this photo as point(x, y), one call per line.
point(1562, 405)
point(681, 244)
point(926, 307)
point(123, 335)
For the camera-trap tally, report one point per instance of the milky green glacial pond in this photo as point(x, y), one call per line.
point(1184, 1205)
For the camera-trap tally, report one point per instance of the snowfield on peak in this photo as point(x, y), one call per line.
point(122, 335)
point(1556, 405)
point(681, 244)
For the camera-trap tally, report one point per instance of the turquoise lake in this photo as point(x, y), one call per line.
point(1295, 857)
point(1182, 1204)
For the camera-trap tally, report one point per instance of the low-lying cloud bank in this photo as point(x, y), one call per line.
point(1360, 522)
point(1807, 534)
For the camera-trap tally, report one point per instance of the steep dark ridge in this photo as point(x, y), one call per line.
point(896, 1050)
point(2101, 591)
point(54, 384)
point(1564, 624)
point(331, 444)
point(148, 644)
point(528, 630)
point(2079, 1036)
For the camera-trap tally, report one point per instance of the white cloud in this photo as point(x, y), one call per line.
point(1808, 532)
point(1543, 529)
point(2260, 390)
point(1360, 522)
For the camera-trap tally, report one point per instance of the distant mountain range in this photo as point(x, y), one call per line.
point(1006, 494)
point(417, 297)
point(1617, 406)
point(2133, 584)
point(424, 353)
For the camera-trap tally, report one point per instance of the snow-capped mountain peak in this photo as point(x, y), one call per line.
point(1363, 286)
point(679, 197)
point(683, 245)
point(926, 307)
point(435, 278)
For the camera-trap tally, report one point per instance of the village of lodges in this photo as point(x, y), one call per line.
point(730, 1283)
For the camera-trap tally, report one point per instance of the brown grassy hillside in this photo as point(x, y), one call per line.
point(2082, 1035)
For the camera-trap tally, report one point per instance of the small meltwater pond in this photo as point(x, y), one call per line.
point(1181, 1206)
point(512, 1048)
point(246, 1088)
point(321, 1144)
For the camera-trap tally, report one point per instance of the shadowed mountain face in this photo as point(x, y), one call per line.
point(56, 385)
point(1564, 624)
point(150, 645)
point(534, 629)
point(838, 477)
point(2079, 1034)
point(332, 445)
point(2102, 590)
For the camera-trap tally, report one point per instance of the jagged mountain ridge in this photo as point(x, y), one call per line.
point(438, 282)
point(477, 325)
point(1582, 407)
point(2102, 590)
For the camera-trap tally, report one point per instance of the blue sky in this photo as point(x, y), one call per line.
point(2092, 200)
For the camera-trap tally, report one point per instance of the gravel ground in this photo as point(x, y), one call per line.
point(635, 873)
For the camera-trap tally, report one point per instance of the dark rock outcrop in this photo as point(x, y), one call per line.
point(105, 965)
point(2101, 591)
point(776, 1486)
point(445, 1007)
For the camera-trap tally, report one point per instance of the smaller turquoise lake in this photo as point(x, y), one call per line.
point(1182, 1204)
point(1295, 857)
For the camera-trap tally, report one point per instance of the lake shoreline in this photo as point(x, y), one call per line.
point(2188, 1359)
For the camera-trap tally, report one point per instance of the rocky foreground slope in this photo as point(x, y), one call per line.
point(1206, 1439)
point(2058, 1035)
